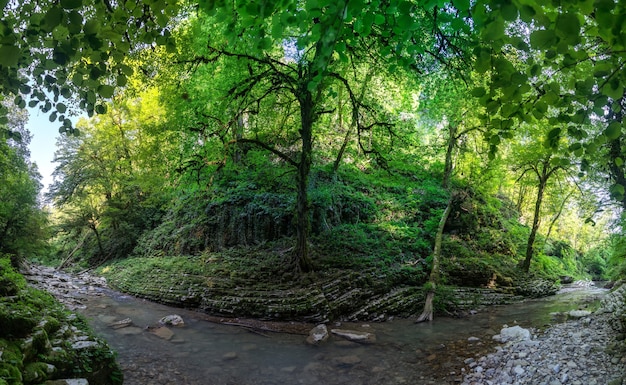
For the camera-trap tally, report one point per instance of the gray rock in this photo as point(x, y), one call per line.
point(172, 320)
point(513, 334)
point(318, 334)
point(354, 335)
point(579, 313)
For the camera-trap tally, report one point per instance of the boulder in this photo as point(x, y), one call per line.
point(579, 313)
point(513, 334)
point(355, 336)
point(318, 334)
point(172, 320)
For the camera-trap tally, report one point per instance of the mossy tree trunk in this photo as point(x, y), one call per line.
point(433, 279)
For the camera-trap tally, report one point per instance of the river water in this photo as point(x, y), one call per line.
point(207, 353)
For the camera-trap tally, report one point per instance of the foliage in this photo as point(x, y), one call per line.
point(22, 222)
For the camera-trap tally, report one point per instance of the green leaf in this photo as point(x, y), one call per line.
point(613, 131)
point(617, 191)
point(613, 89)
point(619, 162)
point(61, 108)
point(101, 109)
point(106, 91)
point(122, 80)
point(9, 55)
point(543, 39)
point(53, 17)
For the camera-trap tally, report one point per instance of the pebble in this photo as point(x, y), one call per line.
point(560, 355)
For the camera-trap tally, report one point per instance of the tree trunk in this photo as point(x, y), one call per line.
point(558, 215)
point(533, 231)
point(433, 279)
point(302, 259)
point(449, 165)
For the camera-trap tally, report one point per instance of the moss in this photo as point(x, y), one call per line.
point(35, 373)
point(10, 362)
point(17, 319)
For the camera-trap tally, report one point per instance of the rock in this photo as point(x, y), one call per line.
point(121, 324)
point(172, 320)
point(318, 334)
point(579, 313)
point(354, 335)
point(473, 339)
point(230, 356)
point(72, 381)
point(84, 345)
point(162, 332)
point(513, 334)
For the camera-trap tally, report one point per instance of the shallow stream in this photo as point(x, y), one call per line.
point(207, 353)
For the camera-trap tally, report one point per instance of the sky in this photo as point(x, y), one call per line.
point(43, 143)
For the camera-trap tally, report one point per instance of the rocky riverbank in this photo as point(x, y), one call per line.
point(319, 297)
point(587, 349)
point(42, 343)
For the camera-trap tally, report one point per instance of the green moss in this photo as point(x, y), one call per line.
point(17, 319)
point(35, 373)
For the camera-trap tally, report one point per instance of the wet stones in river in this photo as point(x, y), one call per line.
point(317, 335)
point(121, 324)
point(355, 336)
point(172, 320)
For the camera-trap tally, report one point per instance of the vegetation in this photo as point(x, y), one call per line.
point(451, 141)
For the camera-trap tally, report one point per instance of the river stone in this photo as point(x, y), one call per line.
point(579, 313)
point(172, 320)
point(354, 335)
point(318, 334)
point(121, 324)
point(70, 381)
point(162, 332)
point(513, 334)
point(84, 345)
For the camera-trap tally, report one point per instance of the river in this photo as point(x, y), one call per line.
point(206, 353)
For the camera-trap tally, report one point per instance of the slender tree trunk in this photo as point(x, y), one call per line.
point(558, 215)
point(449, 165)
point(533, 231)
point(433, 279)
point(98, 240)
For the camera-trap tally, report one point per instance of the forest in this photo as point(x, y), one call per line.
point(277, 143)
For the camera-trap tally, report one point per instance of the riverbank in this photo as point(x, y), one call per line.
point(404, 353)
point(240, 286)
point(588, 349)
point(41, 342)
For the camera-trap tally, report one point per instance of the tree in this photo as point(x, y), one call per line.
point(110, 181)
point(53, 51)
point(299, 49)
point(22, 222)
point(557, 60)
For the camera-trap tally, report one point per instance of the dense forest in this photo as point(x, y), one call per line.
point(433, 142)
